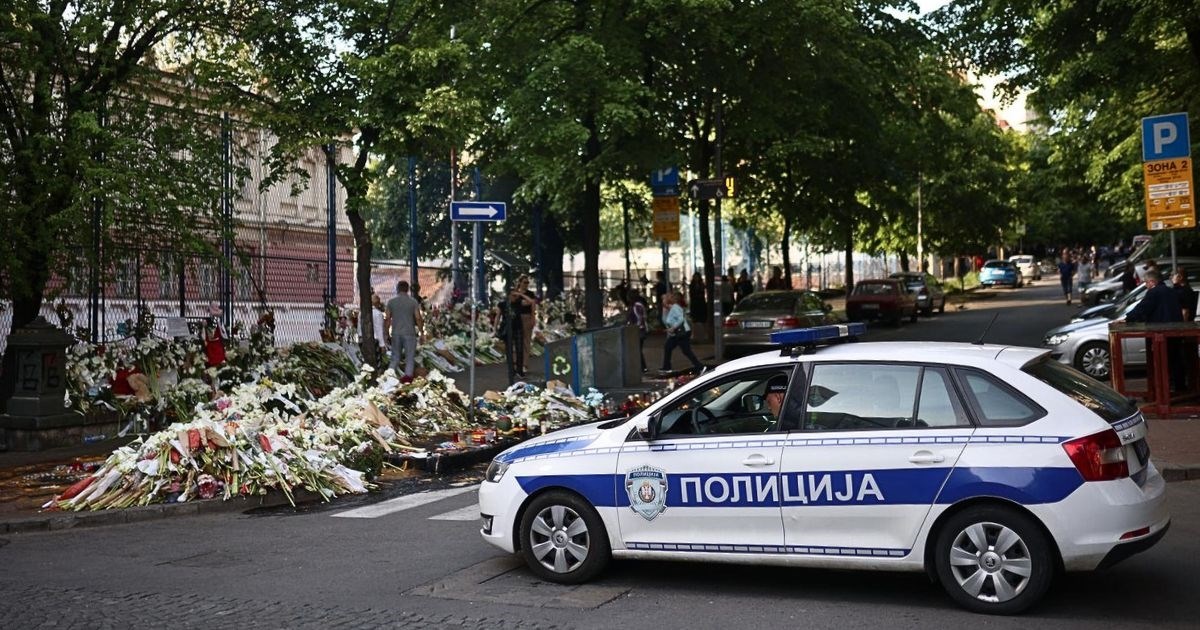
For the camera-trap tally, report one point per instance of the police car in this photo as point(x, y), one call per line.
point(991, 468)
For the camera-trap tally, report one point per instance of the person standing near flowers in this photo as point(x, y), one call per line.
point(377, 324)
point(403, 320)
point(524, 306)
point(214, 337)
point(679, 333)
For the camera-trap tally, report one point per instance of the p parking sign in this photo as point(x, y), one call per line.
point(1165, 137)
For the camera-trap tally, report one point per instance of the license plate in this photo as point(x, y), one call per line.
point(870, 307)
point(756, 324)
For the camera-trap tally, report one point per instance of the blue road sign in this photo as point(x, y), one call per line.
point(665, 178)
point(478, 210)
point(1165, 137)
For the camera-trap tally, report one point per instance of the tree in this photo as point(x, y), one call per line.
point(375, 78)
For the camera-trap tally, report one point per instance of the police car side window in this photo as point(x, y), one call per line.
point(742, 403)
point(938, 406)
point(994, 403)
point(847, 396)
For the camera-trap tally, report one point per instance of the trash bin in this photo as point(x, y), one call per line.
point(605, 358)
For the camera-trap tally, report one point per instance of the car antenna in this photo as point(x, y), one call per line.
point(979, 341)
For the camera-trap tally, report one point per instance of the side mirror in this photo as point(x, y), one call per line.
point(648, 429)
point(752, 402)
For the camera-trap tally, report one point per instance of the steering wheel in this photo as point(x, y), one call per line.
point(697, 421)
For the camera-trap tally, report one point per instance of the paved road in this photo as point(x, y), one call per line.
point(410, 557)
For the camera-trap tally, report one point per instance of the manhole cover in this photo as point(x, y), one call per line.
point(505, 580)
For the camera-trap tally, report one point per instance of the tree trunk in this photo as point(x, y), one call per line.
point(364, 248)
point(903, 260)
point(552, 256)
point(849, 245)
point(787, 254)
point(593, 298)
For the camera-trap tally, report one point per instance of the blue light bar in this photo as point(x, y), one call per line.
point(817, 334)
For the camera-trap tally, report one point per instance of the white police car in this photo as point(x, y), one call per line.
point(989, 467)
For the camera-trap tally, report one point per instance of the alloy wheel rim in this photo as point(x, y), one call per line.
point(559, 539)
point(1095, 362)
point(990, 562)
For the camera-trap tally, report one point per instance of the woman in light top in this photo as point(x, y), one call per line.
point(679, 333)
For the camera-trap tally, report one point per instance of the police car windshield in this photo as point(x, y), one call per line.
point(1090, 393)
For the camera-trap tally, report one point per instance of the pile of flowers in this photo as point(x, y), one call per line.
point(536, 409)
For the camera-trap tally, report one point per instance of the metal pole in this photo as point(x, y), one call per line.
point(537, 247)
point(412, 226)
point(454, 249)
point(475, 255)
point(477, 247)
point(331, 227)
point(718, 328)
point(1174, 261)
point(625, 216)
point(94, 276)
point(666, 262)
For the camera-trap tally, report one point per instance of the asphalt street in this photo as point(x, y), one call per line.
point(411, 557)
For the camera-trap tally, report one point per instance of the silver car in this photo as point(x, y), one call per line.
point(1028, 266)
point(1084, 344)
point(748, 328)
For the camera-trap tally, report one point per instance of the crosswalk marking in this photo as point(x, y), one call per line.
point(405, 502)
point(469, 513)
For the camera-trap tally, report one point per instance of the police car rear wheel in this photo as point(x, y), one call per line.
point(994, 560)
point(563, 539)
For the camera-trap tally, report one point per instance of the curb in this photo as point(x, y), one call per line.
point(1178, 472)
point(54, 521)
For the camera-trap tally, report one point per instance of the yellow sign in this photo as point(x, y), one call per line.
point(666, 218)
point(1170, 201)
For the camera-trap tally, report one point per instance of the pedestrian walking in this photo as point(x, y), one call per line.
point(404, 322)
point(727, 293)
point(776, 281)
point(524, 306)
point(1083, 274)
point(679, 333)
point(377, 324)
point(1066, 273)
point(697, 304)
point(636, 316)
point(744, 286)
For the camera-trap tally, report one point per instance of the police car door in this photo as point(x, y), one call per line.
point(876, 444)
point(710, 478)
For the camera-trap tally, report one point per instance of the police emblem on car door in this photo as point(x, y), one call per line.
point(647, 490)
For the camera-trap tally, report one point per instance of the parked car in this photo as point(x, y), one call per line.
point(927, 289)
point(992, 468)
point(886, 299)
point(1028, 265)
point(749, 327)
point(1110, 289)
point(996, 272)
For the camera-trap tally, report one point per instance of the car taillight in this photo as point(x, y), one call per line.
point(1098, 457)
point(731, 322)
point(788, 322)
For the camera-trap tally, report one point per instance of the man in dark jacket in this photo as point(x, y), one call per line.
point(1160, 306)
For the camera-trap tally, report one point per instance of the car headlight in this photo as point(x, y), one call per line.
point(496, 470)
point(1054, 340)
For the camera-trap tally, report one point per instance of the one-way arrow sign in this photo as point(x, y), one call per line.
point(478, 210)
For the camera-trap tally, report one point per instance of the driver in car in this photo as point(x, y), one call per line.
point(776, 391)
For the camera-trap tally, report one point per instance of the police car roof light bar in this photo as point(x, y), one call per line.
point(806, 338)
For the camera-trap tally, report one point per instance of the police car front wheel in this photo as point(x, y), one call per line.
point(563, 539)
point(994, 560)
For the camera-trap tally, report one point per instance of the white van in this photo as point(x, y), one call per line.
point(1028, 266)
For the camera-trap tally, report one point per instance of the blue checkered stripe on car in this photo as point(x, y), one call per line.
point(873, 552)
point(575, 447)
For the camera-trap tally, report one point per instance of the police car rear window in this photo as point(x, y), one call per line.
point(1094, 395)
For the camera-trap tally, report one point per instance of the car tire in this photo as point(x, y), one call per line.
point(1094, 358)
point(912, 319)
point(942, 306)
point(994, 560)
point(563, 539)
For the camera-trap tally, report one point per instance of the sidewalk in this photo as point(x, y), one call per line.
point(1174, 447)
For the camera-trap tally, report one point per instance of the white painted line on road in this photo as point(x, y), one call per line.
point(469, 513)
point(405, 502)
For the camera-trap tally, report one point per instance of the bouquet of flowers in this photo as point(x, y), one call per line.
point(538, 409)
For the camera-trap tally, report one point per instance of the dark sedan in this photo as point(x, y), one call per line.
point(748, 328)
